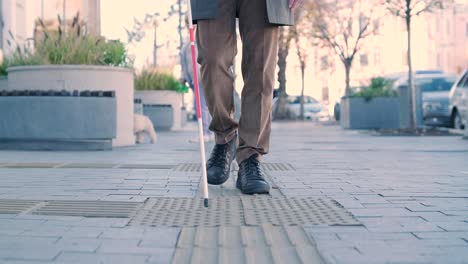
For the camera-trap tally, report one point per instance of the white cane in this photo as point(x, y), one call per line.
point(198, 103)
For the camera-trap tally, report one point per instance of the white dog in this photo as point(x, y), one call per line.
point(143, 125)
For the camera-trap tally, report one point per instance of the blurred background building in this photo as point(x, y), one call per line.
point(439, 42)
point(20, 18)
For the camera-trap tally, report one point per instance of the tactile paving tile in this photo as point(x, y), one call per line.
point(245, 210)
point(184, 204)
point(274, 167)
point(146, 166)
point(89, 165)
point(271, 167)
point(190, 212)
point(188, 167)
point(260, 244)
point(89, 208)
point(16, 206)
point(192, 218)
point(29, 165)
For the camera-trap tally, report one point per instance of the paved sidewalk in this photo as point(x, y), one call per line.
point(408, 194)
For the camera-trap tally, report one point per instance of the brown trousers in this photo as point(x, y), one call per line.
point(217, 48)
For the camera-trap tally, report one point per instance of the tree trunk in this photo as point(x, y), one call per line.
point(347, 64)
point(282, 111)
point(411, 87)
point(302, 91)
point(179, 31)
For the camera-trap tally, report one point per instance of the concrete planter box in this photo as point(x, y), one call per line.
point(160, 115)
point(55, 122)
point(378, 113)
point(171, 98)
point(3, 83)
point(83, 77)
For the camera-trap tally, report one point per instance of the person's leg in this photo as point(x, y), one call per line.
point(260, 49)
point(217, 49)
point(216, 39)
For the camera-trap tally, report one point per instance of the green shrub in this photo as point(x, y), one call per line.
point(379, 87)
point(75, 47)
point(3, 68)
point(155, 80)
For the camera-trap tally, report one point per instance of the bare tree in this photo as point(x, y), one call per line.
point(342, 25)
point(302, 55)
point(407, 9)
point(285, 36)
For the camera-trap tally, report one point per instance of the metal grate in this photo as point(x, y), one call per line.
point(247, 210)
point(16, 206)
point(89, 208)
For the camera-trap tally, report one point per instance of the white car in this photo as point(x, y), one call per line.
point(459, 102)
point(313, 109)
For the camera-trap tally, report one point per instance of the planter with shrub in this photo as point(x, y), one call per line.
point(162, 98)
point(374, 107)
point(57, 120)
point(77, 61)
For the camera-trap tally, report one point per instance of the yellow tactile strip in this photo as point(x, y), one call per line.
point(246, 244)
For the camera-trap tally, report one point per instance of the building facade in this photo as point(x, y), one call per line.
point(20, 16)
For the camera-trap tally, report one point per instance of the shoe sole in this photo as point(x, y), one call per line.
point(252, 191)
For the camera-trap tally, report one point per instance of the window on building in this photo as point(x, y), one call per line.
point(377, 58)
point(448, 27)
point(324, 63)
point(364, 59)
point(325, 93)
point(439, 61)
point(363, 22)
point(376, 26)
point(350, 27)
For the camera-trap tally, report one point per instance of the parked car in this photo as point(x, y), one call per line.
point(337, 110)
point(435, 96)
point(313, 109)
point(459, 102)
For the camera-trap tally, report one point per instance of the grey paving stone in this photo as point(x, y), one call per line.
point(160, 237)
point(453, 226)
point(123, 233)
point(374, 177)
point(123, 247)
point(78, 244)
point(91, 258)
point(162, 256)
point(29, 253)
point(13, 242)
point(84, 232)
point(441, 235)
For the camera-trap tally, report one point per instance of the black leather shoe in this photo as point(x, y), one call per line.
point(218, 167)
point(251, 179)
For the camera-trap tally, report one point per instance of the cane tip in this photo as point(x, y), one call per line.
point(205, 202)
